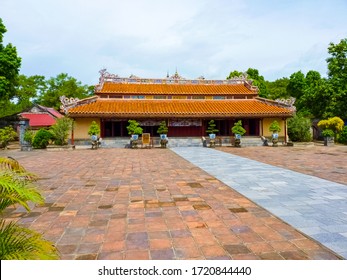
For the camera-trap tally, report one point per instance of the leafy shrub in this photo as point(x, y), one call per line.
point(29, 136)
point(41, 139)
point(7, 134)
point(299, 129)
point(335, 124)
point(328, 133)
point(60, 130)
point(343, 136)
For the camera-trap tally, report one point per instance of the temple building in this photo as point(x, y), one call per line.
point(186, 105)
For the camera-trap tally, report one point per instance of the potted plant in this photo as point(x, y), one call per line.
point(94, 131)
point(275, 128)
point(238, 131)
point(328, 135)
point(163, 130)
point(212, 130)
point(134, 130)
point(28, 140)
point(331, 127)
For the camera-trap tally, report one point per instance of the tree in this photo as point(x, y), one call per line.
point(257, 79)
point(16, 242)
point(337, 73)
point(9, 68)
point(296, 85)
point(60, 130)
point(28, 90)
point(63, 85)
point(278, 89)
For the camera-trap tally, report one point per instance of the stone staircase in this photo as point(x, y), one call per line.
point(122, 142)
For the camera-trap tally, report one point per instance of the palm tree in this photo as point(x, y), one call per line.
point(16, 242)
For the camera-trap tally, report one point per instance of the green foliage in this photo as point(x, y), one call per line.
point(328, 133)
point(335, 124)
point(94, 129)
point(275, 127)
point(16, 242)
point(238, 129)
point(134, 128)
point(29, 136)
point(61, 130)
point(211, 129)
point(41, 139)
point(9, 67)
point(163, 129)
point(299, 129)
point(63, 85)
point(257, 79)
point(7, 134)
point(278, 89)
point(343, 136)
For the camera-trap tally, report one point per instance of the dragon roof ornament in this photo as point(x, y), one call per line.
point(174, 79)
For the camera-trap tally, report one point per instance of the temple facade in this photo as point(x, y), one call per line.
point(186, 105)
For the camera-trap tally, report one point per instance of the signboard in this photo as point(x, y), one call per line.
point(146, 137)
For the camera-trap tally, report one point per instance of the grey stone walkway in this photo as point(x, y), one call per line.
point(314, 206)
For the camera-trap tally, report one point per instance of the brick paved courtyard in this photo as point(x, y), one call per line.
point(152, 204)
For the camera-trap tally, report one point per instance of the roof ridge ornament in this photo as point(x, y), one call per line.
point(67, 103)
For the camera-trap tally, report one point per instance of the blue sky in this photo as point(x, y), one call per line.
point(149, 38)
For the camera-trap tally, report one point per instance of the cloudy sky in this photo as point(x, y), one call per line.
point(149, 38)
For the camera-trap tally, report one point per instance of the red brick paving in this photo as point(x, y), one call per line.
point(152, 204)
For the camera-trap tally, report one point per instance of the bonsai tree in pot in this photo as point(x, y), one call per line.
point(212, 130)
point(94, 131)
point(163, 130)
point(134, 130)
point(331, 127)
point(238, 131)
point(275, 128)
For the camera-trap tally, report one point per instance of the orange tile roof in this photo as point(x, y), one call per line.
point(179, 108)
point(176, 89)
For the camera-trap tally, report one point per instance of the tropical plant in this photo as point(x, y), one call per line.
point(94, 129)
point(211, 129)
point(7, 134)
point(41, 139)
point(134, 128)
point(238, 129)
point(60, 130)
point(163, 129)
point(16, 242)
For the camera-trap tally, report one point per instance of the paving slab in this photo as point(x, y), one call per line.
point(153, 204)
point(301, 200)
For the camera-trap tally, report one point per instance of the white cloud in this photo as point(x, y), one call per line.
point(149, 38)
